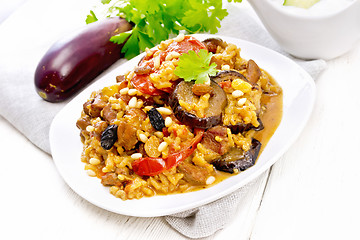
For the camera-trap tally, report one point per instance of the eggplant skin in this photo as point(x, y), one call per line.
point(74, 61)
point(227, 75)
point(242, 127)
point(217, 103)
point(230, 75)
point(238, 159)
point(192, 120)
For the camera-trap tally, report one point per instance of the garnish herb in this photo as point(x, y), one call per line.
point(155, 20)
point(196, 66)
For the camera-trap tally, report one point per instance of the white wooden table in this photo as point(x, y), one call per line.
point(312, 192)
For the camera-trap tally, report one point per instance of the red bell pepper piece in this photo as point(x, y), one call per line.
point(143, 82)
point(151, 166)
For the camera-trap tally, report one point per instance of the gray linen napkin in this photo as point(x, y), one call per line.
point(25, 38)
point(206, 220)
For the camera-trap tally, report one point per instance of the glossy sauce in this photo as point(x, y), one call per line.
point(270, 118)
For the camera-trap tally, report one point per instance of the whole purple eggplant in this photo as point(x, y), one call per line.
point(72, 62)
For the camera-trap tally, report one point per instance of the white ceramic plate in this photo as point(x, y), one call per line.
point(299, 96)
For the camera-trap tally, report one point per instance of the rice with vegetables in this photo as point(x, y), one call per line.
point(154, 132)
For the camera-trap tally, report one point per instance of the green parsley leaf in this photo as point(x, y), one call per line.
point(120, 38)
point(196, 66)
point(156, 20)
point(131, 47)
point(204, 17)
point(91, 18)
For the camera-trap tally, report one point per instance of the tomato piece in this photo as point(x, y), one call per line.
point(225, 84)
point(166, 132)
point(151, 166)
point(144, 85)
point(189, 43)
point(143, 82)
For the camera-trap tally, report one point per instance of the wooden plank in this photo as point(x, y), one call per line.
point(240, 227)
point(313, 191)
point(37, 199)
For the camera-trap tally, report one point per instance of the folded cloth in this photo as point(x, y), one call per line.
point(206, 220)
point(25, 39)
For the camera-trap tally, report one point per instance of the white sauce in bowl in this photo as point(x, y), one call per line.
point(322, 7)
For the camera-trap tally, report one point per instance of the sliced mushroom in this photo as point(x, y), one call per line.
point(126, 135)
point(94, 106)
point(200, 89)
point(143, 69)
point(253, 72)
point(194, 174)
point(83, 122)
point(236, 158)
point(110, 179)
point(120, 78)
point(108, 113)
point(100, 127)
point(212, 44)
point(213, 113)
point(216, 139)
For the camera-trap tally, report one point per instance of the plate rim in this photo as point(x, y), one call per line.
point(252, 176)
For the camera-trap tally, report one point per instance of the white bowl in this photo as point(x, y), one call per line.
point(326, 35)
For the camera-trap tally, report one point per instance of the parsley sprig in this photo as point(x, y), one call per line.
point(196, 66)
point(155, 20)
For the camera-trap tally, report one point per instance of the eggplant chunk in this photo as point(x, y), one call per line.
point(241, 127)
point(72, 62)
point(213, 113)
point(236, 158)
point(228, 75)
